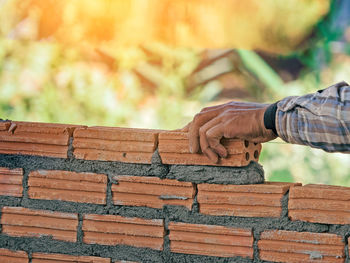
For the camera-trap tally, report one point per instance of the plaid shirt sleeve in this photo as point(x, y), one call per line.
point(320, 120)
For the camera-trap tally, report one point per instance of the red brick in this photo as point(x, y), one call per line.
point(182, 146)
point(321, 192)
point(33, 149)
point(115, 144)
point(265, 188)
point(240, 198)
point(68, 186)
point(201, 159)
point(117, 134)
point(170, 135)
point(210, 240)
point(117, 230)
point(19, 221)
point(109, 145)
point(126, 157)
point(174, 149)
point(320, 204)
point(11, 182)
point(152, 192)
point(305, 237)
point(30, 137)
point(258, 200)
point(51, 128)
point(240, 210)
point(41, 139)
point(11, 256)
point(61, 258)
point(73, 176)
point(273, 244)
point(296, 258)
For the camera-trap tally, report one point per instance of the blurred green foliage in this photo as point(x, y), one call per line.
point(50, 81)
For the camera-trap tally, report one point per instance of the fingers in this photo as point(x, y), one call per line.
point(199, 120)
point(210, 141)
point(214, 136)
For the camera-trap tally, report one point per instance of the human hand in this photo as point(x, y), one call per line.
point(241, 120)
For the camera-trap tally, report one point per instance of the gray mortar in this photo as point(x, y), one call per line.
point(251, 174)
point(32, 163)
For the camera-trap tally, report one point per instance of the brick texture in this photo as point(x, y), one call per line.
point(210, 240)
point(68, 186)
point(61, 258)
point(11, 182)
point(30, 138)
point(320, 204)
point(174, 149)
point(293, 247)
point(11, 256)
point(259, 200)
point(152, 192)
point(19, 221)
point(117, 230)
point(115, 144)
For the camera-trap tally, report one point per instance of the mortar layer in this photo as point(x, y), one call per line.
point(251, 174)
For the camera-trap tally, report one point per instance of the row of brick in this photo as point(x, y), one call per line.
point(11, 256)
point(185, 238)
point(113, 144)
point(97, 229)
point(310, 203)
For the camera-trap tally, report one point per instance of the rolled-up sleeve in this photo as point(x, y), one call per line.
point(320, 120)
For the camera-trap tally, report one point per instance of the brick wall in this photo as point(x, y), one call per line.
point(96, 194)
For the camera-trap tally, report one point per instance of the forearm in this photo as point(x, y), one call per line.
point(320, 120)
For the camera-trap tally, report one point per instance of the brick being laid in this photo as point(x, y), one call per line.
point(151, 192)
point(62, 258)
point(41, 139)
point(210, 240)
point(11, 182)
point(295, 247)
point(174, 149)
point(13, 256)
point(115, 144)
point(256, 200)
point(117, 230)
point(320, 204)
point(24, 222)
point(67, 186)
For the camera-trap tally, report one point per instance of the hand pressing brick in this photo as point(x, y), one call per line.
point(67, 186)
point(210, 240)
point(24, 222)
point(152, 192)
point(293, 247)
point(12, 256)
point(174, 149)
point(320, 204)
point(11, 182)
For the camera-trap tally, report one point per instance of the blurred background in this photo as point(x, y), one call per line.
point(156, 63)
